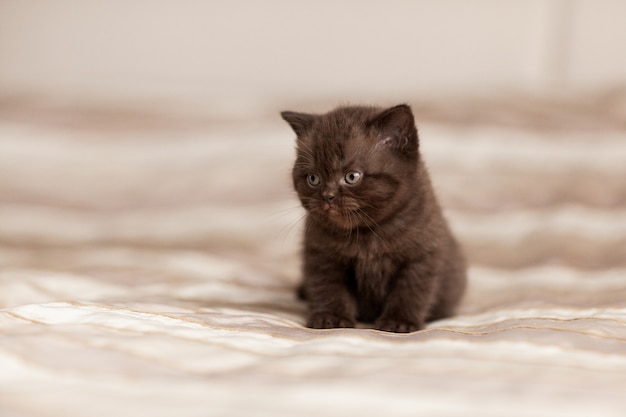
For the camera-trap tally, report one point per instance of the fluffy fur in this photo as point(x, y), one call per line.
point(376, 247)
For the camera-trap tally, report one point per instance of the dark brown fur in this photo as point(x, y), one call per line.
point(379, 250)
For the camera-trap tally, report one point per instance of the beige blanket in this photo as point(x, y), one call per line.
point(147, 268)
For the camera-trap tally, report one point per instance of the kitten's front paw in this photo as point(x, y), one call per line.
point(397, 326)
point(328, 320)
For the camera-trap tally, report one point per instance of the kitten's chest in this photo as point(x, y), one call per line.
point(373, 276)
point(373, 262)
point(373, 273)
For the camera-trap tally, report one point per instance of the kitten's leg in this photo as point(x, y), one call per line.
point(331, 304)
point(330, 314)
point(453, 284)
point(409, 300)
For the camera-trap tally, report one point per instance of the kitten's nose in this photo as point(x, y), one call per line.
point(328, 197)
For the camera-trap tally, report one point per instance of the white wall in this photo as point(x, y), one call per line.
point(235, 50)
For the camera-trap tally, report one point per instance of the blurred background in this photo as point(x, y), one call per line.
point(153, 125)
point(234, 56)
point(237, 55)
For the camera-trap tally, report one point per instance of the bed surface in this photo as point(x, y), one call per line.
point(148, 267)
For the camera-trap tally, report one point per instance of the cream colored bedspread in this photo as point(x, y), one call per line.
point(147, 268)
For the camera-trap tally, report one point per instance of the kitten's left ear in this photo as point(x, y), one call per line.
point(299, 122)
point(396, 128)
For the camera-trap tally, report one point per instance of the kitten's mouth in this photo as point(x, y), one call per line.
point(332, 210)
point(338, 215)
point(343, 216)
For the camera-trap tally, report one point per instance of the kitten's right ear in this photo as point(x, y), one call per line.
point(299, 122)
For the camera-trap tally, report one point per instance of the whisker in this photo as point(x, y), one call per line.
point(369, 222)
point(350, 225)
point(289, 228)
point(357, 230)
point(286, 210)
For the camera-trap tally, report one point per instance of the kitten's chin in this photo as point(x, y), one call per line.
point(333, 212)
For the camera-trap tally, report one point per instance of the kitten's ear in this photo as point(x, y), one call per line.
point(299, 122)
point(396, 129)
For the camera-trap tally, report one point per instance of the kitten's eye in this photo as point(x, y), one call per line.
point(353, 178)
point(313, 180)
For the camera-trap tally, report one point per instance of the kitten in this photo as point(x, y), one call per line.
point(376, 247)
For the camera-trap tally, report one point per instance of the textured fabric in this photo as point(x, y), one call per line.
point(148, 267)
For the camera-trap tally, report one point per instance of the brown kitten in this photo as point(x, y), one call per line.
point(376, 246)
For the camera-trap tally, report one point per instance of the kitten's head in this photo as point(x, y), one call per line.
point(355, 165)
